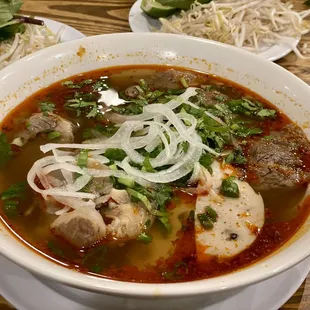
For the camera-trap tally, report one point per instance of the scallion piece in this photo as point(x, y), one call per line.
point(82, 159)
point(53, 135)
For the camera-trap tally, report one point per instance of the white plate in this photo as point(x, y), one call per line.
point(27, 292)
point(140, 22)
point(68, 34)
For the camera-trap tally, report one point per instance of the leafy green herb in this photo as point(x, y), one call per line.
point(205, 221)
point(46, 107)
point(94, 259)
point(9, 26)
point(101, 84)
point(268, 137)
point(147, 165)
point(115, 154)
point(236, 157)
point(53, 135)
point(83, 159)
point(247, 107)
point(208, 218)
point(15, 191)
point(5, 149)
point(267, 113)
point(175, 274)
point(145, 238)
point(133, 108)
point(230, 188)
point(211, 214)
point(107, 130)
point(70, 83)
point(206, 160)
point(10, 208)
point(142, 198)
point(11, 198)
point(55, 249)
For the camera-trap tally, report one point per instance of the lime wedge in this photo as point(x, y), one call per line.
point(155, 9)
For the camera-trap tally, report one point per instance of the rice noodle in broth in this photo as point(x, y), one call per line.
point(152, 174)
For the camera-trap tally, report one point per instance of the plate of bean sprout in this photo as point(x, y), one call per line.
point(269, 28)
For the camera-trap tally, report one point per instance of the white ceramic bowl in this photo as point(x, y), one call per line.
point(39, 70)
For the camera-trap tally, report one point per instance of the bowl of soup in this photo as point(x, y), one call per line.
point(153, 165)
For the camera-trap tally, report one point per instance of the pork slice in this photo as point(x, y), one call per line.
point(128, 220)
point(81, 228)
point(277, 163)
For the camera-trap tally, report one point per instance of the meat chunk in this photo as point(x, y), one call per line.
point(128, 220)
point(39, 123)
point(172, 79)
point(277, 163)
point(132, 92)
point(81, 228)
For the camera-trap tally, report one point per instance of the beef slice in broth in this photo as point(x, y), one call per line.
point(277, 162)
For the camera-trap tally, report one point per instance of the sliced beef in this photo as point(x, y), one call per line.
point(277, 162)
point(81, 228)
point(39, 123)
point(172, 79)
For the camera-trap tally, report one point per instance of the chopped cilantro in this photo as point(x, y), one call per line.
point(70, 83)
point(230, 188)
point(95, 258)
point(115, 154)
point(46, 107)
point(55, 248)
point(147, 165)
point(15, 191)
point(145, 238)
point(205, 221)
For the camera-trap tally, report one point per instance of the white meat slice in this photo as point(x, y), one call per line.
point(239, 219)
point(81, 228)
point(128, 220)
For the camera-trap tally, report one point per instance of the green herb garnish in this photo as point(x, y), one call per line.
point(70, 83)
point(53, 135)
point(83, 159)
point(230, 188)
point(46, 107)
point(11, 198)
point(115, 154)
point(55, 249)
point(145, 238)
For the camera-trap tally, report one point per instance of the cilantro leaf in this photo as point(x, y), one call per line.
point(230, 188)
point(15, 191)
point(115, 154)
point(46, 107)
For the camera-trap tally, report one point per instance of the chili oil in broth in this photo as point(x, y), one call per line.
point(169, 257)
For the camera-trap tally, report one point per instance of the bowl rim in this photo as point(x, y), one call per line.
point(147, 290)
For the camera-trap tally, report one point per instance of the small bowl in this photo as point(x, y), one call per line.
point(47, 66)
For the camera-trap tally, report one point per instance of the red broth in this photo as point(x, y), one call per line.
point(170, 257)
